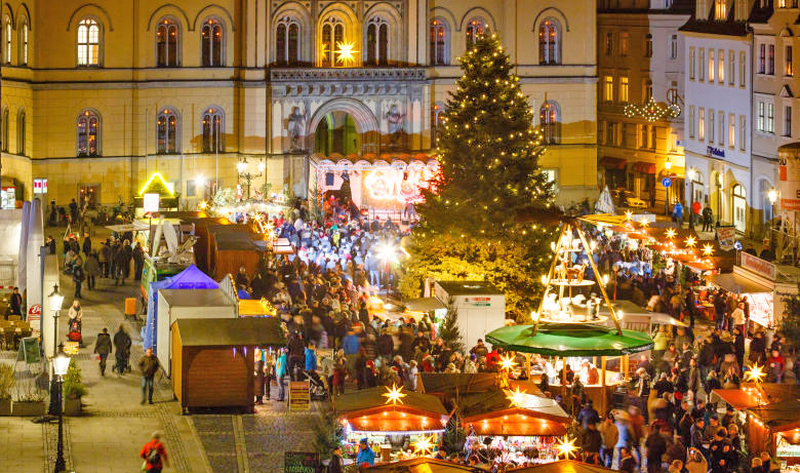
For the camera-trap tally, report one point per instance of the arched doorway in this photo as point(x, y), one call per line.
point(717, 196)
point(337, 133)
point(739, 201)
point(698, 187)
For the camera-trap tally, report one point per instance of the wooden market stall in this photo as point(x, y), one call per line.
point(421, 465)
point(234, 246)
point(212, 359)
point(202, 248)
point(562, 466)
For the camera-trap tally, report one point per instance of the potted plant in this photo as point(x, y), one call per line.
point(73, 389)
point(7, 382)
point(29, 404)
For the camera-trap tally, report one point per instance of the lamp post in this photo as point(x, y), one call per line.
point(55, 299)
point(667, 167)
point(60, 366)
point(244, 173)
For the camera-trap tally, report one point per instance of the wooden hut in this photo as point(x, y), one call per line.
point(234, 246)
point(367, 411)
point(491, 413)
point(212, 359)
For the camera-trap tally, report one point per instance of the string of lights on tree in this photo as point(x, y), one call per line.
point(652, 111)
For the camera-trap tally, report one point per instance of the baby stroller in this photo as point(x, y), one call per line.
point(315, 385)
point(74, 334)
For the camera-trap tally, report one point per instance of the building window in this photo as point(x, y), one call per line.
point(760, 126)
point(439, 40)
point(742, 132)
point(701, 124)
point(721, 136)
point(720, 10)
point(711, 124)
point(4, 131)
point(550, 121)
point(742, 68)
point(608, 89)
point(692, 65)
point(287, 42)
point(623, 89)
point(378, 41)
point(648, 45)
point(711, 66)
point(702, 68)
point(167, 43)
point(770, 118)
point(762, 59)
point(732, 130)
point(550, 42)
point(7, 41)
point(332, 35)
point(476, 29)
point(609, 43)
point(647, 90)
point(167, 132)
point(692, 121)
point(673, 46)
point(721, 66)
point(624, 44)
point(788, 67)
point(211, 37)
point(787, 121)
point(771, 60)
point(731, 67)
point(653, 137)
point(88, 42)
point(212, 130)
point(21, 132)
point(23, 44)
point(88, 129)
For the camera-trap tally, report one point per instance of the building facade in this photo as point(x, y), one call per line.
point(640, 57)
point(96, 97)
point(718, 120)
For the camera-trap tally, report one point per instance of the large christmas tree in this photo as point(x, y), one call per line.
point(476, 223)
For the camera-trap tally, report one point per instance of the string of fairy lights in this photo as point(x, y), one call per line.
point(652, 111)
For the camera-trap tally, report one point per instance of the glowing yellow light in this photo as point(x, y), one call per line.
point(690, 242)
point(346, 52)
point(202, 205)
point(507, 363)
point(516, 397)
point(423, 446)
point(566, 447)
point(394, 394)
point(156, 175)
point(644, 222)
point(755, 374)
point(628, 216)
point(708, 250)
point(671, 233)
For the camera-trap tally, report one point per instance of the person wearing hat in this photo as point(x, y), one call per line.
point(365, 454)
point(336, 465)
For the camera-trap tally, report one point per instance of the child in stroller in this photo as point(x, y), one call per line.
point(315, 385)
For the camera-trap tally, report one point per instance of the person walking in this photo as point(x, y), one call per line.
point(154, 455)
point(708, 217)
point(677, 214)
point(336, 465)
point(87, 244)
point(103, 257)
point(78, 275)
point(122, 343)
point(92, 270)
point(148, 365)
point(102, 346)
point(15, 302)
point(695, 218)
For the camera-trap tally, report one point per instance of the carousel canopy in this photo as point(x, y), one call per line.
point(562, 466)
point(368, 411)
point(565, 339)
point(491, 413)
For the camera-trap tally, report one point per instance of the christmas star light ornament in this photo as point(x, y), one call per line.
point(644, 222)
point(628, 216)
point(394, 395)
point(346, 52)
point(755, 374)
point(566, 447)
point(690, 242)
point(708, 250)
point(515, 397)
point(670, 233)
point(423, 446)
point(507, 363)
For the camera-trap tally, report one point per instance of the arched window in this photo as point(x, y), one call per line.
point(440, 37)
point(212, 130)
point(167, 38)
point(549, 42)
point(211, 38)
point(550, 122)
point(287, 42)
point(378, 41)
point(437, 112)
point(720, 10)
point(21, 132)
point(4, 131)
point(88, 131)
point(23, 42)
point(765, 187)
point(7, 41)
point(475, 29)
point(88, 42)
point(167, 132)
point(332, 35)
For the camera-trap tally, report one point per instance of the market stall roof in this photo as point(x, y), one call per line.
point(491, 413)
point(235, 237)
point(468, 288)
point(249, 331)
point(737, 283)
point(196, 298)
point(748, 395)
point(562, 466)
point(367, 411)
point(778, 416)
point(565, 339)
point(424, 304)
point(135, 226)
point(374, 398)
point(444, 383)
point(423, 465)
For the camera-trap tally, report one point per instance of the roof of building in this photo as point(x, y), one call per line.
point(374, 398)
point(729, 27)
point(196, 298)
point(250, 331)
point(469, 288)
point(463, 383)
point(423, 465)
point(678, 7)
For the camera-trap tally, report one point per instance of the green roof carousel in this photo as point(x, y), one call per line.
point(569, 329)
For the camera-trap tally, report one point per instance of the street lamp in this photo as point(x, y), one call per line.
point(60, 367)
point(387, 253)
point(243, 168)
point(55, 299)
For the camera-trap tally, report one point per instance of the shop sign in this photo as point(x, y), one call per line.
point(789, 183)
point(300, 462)
point(71, 348)
point(788, 450)
point(29, 350)
point(726, 235)
point(40, 186)
point(479, 301)
point(8, 197)
point(715, 152)
point(299, 396)
point(762, 308)
point(34, 317)
point(150, 202)
point(758, 266)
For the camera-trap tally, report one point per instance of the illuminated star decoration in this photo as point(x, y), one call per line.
point(670, 233)
point(628, 216)
point(423, 446)
point(652, 111)
point(394, 395)
point(269, 230)
point(507, 363)
point(346, 52)
point(516, 397)
point(202, 205)
point(755, 374)
point(566, 447)
point(708, 250)
point(690, 242)
point(644, 222)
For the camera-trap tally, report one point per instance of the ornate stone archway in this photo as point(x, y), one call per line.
point(365, 121)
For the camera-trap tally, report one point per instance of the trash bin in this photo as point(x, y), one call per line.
point(130, 306)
